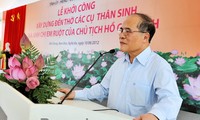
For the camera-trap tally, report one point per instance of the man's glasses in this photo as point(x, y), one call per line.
point(128, 30)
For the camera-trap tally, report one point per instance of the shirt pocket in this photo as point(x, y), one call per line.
point(139, 94)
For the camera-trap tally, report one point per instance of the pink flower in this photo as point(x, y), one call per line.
point(32, 82)
point(13, 62)
point(69, 64)
point(180, 61)
point(8, 77)
point(198, 54)
point(174, 52)
point(198, 61)
point(25, 43)
point(93, 80)
point(103, 64)
point(27, 63)
point(7, 71)
point(31, 71)
point(176, 76)
point(39, 62)
point(27, 89)
point(119, 54)
point(193, 88)
point(78, 71)
point(29, 68)
point(16, 73)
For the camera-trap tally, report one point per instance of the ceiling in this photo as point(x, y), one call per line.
point(9, 4)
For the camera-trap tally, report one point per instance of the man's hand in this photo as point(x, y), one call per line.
point(66, 90)
point(147, 116)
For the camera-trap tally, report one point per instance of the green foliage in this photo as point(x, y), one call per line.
point(31, 52)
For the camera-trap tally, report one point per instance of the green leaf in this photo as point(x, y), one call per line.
point(188, 67)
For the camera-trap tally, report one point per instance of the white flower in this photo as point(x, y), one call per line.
point(53, 77)
point(119, 54)
point(78, 71)
point(69, 56)
point(69, 64)
point(89, 56)
point(93, 80)
point(63, 76)
point(103, 64)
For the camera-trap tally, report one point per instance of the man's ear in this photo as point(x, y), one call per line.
point(146, 37)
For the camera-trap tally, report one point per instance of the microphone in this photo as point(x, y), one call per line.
point(101, 54)
point(111, 51)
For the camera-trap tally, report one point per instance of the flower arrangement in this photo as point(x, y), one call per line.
point(29, 75)
point(71, 66)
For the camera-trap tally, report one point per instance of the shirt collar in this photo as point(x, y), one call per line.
point(142, 58)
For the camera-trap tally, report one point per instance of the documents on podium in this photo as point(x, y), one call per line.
point(15, 106)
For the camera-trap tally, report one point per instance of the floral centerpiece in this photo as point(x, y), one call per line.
point(29, 75)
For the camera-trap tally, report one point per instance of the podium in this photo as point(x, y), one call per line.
point(15, 106)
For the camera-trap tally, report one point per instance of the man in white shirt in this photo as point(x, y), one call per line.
point(141, 83)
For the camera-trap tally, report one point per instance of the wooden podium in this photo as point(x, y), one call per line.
point(15, 106)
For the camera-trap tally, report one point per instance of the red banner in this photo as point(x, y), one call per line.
point(14, 28)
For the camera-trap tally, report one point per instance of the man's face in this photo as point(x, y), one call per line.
point(132, 40)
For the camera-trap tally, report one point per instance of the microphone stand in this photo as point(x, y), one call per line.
point(101, 54)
